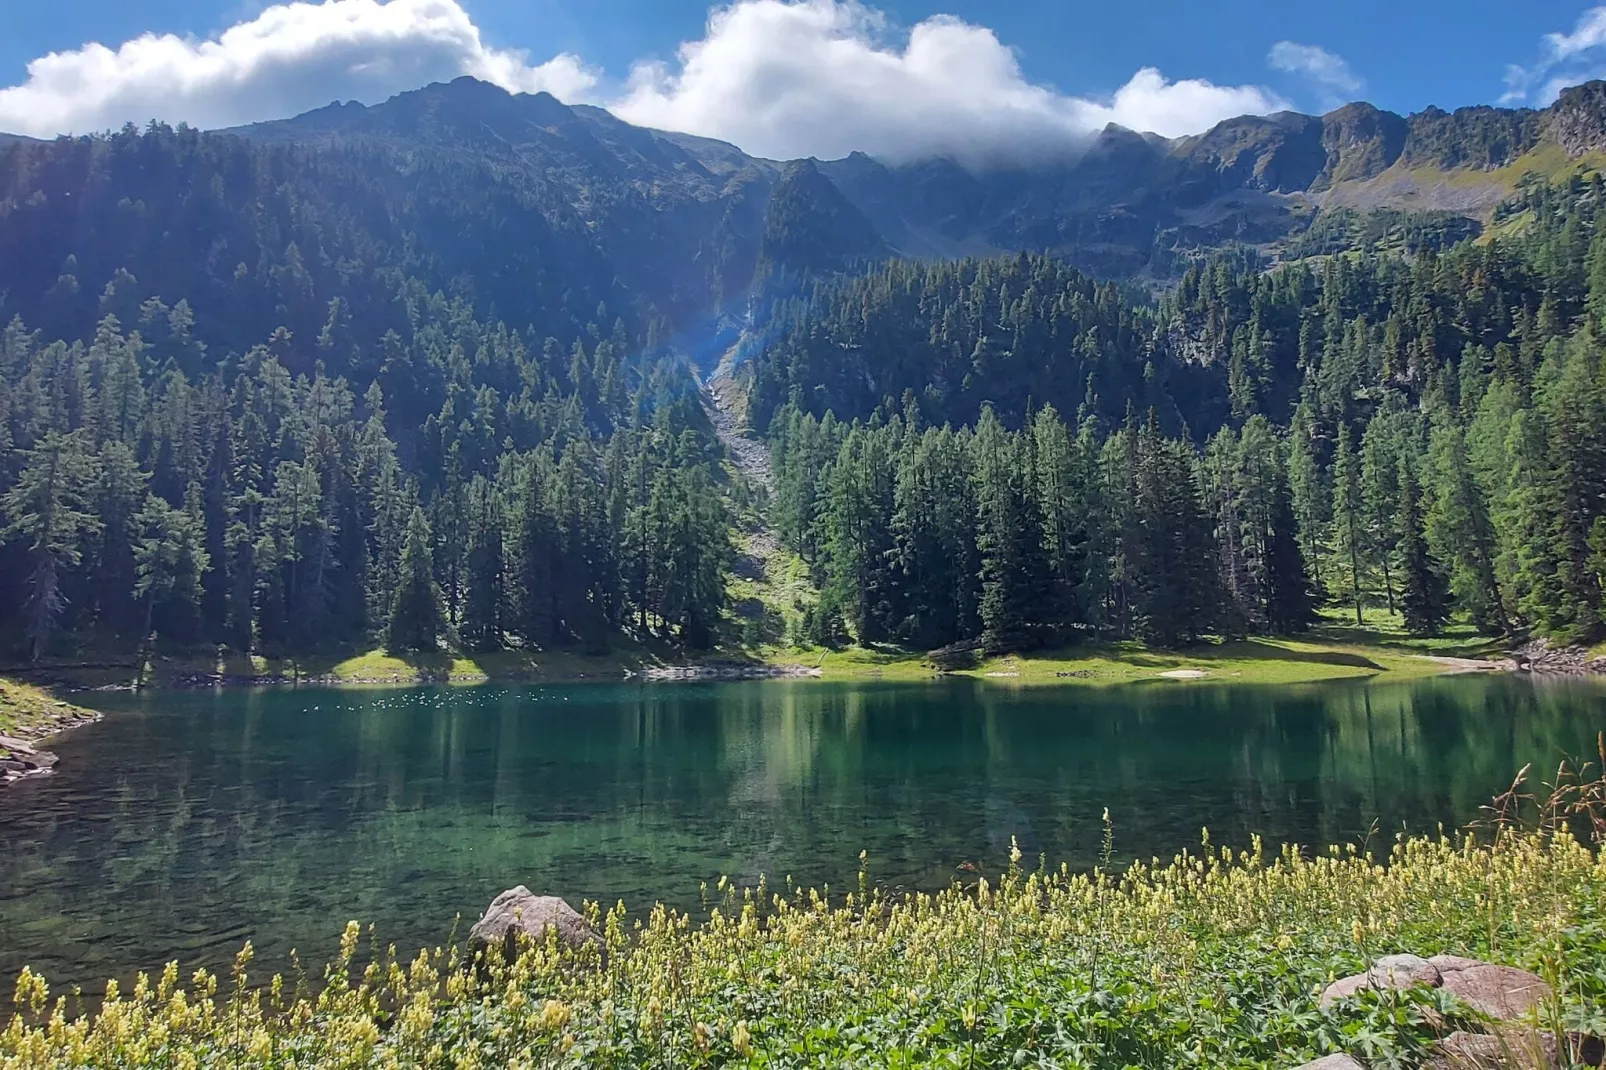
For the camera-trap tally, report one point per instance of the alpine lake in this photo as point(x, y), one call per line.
point(187, 823)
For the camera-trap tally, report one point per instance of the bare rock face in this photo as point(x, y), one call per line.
point(518, 911)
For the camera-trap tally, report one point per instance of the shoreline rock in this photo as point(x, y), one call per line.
point(519, 914)
point(21, 757)
point(1539, 656)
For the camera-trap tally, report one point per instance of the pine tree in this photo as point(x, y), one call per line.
point(1348, 507)
point(1459, 530)
point(416, 618)
point(1290, 598)
point(170, 559)
point(1425, 593)
point(1009, 538)
point(49, 513)
point(481, 624)
point(1178, 595)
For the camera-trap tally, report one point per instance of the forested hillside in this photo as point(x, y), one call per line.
point(336, 383)
point(1008, 449)
point(263, 398)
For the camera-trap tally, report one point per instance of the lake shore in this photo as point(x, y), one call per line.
point(29, 716)
point(1329, 653)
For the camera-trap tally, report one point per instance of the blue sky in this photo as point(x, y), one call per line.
point(1211, 58)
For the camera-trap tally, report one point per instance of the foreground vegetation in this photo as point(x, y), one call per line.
point(1213, 959)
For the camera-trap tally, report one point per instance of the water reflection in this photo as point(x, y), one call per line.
point(185, 824)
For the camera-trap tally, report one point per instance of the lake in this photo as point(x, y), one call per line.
point(187, 823)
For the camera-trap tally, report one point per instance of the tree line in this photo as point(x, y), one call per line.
point(255, 509)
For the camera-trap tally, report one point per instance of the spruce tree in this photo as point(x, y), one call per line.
point(416, 618)
point(1009, 538)
point(1348, 506)
point(1425, 593)
point(1178, 594)
point(49, 513)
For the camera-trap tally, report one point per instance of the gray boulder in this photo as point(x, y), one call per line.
point(1501, 992)
point(1402, 971)
point(519, 912)
point(1390, 971)
point(1333, 1062)
point(1343, 988)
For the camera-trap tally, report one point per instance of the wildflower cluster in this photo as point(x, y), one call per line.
point(1214, 958)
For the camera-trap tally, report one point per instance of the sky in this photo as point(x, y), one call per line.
point(788, 78)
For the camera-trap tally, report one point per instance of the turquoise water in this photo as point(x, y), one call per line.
point(185, 824)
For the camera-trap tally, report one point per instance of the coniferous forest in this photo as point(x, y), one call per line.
point(281, 426)
point(1011, 450)
point(284, 399)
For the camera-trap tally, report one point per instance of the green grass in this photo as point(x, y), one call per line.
point(1419, 187)
point(1336, 649)
point(354, 667)
point(28, 711)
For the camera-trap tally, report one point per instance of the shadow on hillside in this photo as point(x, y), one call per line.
point(1250, 648)
point(1457, 641)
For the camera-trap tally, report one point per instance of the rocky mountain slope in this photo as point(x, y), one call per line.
point(1117, 206)
point(688, 229)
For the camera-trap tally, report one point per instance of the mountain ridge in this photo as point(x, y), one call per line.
point(1111, 207)
point(691, 230)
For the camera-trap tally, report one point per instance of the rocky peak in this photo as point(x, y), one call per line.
point(1577, 121)
point(1361, 142)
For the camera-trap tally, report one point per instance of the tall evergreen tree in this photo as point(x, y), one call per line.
point(1425, 595)
point(49, 513)
point(416, 617)
point(1348, 512)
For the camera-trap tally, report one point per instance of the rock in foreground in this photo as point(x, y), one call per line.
point(520, 911)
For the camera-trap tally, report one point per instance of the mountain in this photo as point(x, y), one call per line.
point(1123, 204)
point(421, 370)
point(539, 212)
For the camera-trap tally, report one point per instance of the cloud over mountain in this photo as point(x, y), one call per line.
point(782, 78)
point(825, 77)
point(1328, 72)
point(290, 58)
point(1564, 59)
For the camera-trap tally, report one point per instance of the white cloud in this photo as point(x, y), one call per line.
point(1329, 72)
point(1564, 59)
point(290, 58)
point(780, 78)
point(786, 78)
